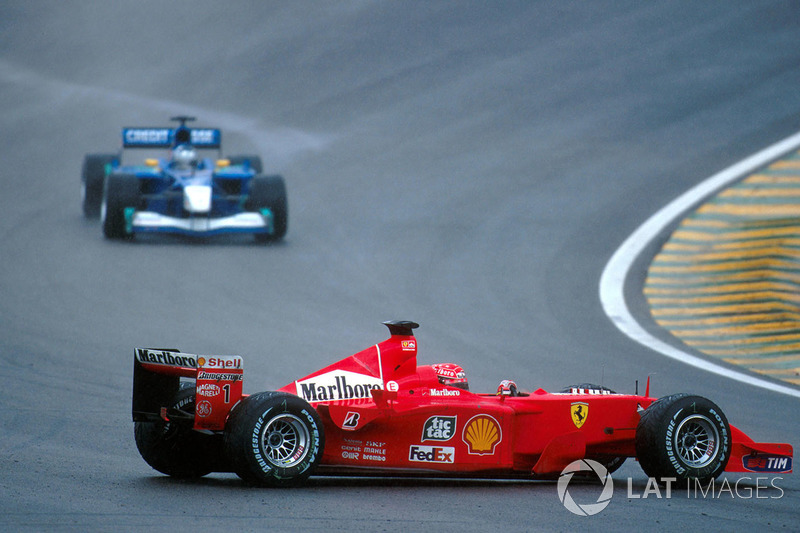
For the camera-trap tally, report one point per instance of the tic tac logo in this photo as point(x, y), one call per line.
point(439, 428)
point(481, 434)
point(579, 412)
point(431, 454)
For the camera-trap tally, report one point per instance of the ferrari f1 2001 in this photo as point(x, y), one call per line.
point(378, 412)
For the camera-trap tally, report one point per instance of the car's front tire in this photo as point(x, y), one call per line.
point(683, 437)
point(270, 192)
point(120, 192)
point(93, 174)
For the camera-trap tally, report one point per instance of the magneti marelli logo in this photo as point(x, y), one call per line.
point(593, 468)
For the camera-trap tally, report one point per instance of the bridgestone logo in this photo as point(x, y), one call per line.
point(217, 376)
point(164, 357)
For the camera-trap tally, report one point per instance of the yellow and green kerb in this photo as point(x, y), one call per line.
point(727, 282)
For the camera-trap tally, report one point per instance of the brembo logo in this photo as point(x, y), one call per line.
point(163, 357)
point(337, 385)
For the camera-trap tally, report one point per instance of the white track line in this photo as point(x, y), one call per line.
point(612, 281)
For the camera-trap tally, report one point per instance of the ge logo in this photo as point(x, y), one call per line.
point(586, 509)
point(203, 409)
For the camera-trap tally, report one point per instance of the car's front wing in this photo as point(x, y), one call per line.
point(152, 222)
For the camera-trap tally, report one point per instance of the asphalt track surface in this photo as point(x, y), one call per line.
point(471, 166)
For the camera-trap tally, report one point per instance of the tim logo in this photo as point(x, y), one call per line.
point(767, 463)
point(351, 420)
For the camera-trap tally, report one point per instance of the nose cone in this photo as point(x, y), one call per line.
point(197, 198)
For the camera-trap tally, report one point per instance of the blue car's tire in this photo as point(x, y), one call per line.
point(93, 174)
point(270, 192)
point(274, 439)
point(120, 192)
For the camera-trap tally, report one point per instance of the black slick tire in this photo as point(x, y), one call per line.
point(274, 439)
point(174, 448)
point(93, 174)
point(683, 437)
point(120, 192)
point(269, 192)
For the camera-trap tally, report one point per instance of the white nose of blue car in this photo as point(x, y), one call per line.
point(197, 198)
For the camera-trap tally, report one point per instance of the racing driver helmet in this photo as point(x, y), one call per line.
point(452, 375)
point(184, 156)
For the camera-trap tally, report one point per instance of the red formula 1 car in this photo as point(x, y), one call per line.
point(380, 413)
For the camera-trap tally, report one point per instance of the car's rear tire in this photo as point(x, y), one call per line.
point(93, 174)
point(270, 192)
point(683, 437)
point(253, 160)
point(120, 192)
point(274, 439)
point(174, 448)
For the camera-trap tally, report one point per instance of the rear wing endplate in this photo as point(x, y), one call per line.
point(157, 377)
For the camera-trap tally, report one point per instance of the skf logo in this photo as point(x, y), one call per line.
point(431, 454)
point(481, 434)
point(579, 411)
point(439, 428)
point(408, 345)
point(351, 420)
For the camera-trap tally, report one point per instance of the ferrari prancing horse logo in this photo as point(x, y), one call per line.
point(579, 411)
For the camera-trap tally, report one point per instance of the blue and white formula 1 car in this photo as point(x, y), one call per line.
point(182, 192)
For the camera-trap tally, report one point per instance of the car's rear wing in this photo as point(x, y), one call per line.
point(210, 138)
point(157, 377)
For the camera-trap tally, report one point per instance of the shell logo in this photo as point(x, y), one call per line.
point(481, 434)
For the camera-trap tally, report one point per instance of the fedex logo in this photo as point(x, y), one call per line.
point(432, 454)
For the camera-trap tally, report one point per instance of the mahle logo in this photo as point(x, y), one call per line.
point(585, 509)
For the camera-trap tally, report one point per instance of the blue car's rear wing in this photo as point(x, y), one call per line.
point(167, 137)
